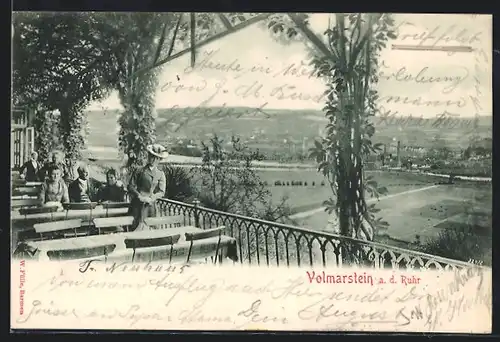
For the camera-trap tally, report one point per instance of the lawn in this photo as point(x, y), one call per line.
point(309, 197)
point(424, 214)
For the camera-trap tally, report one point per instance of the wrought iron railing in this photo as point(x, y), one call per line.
point(269, 243)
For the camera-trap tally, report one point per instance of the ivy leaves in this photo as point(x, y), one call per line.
point(349, 68)
point(146, 34)
point(283, 29)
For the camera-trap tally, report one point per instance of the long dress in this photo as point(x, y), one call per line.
point(149, 182)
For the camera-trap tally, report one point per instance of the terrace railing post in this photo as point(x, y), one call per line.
point(196, 213)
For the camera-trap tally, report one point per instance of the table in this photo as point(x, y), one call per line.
point(85, 247)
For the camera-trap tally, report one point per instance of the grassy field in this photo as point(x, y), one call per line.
point(424, 214)
point(303, 197)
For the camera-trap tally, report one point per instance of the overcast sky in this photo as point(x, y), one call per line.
point(462, 75)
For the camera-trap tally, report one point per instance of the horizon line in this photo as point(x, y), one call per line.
point(280, 109)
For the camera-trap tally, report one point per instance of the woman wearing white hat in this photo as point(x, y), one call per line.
point(146, 185)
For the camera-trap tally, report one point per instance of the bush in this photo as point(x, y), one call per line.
point(460, 243)
point(179, 186)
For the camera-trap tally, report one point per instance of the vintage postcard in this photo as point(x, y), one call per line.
point(252, 171)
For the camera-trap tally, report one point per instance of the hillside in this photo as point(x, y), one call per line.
point(284, 130)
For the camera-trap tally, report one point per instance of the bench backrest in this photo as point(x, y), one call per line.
point(105, 222)
point(114, 205)
point(57, 226)
point(170, 221)
point(34, 184)
point(26, 202)
point(152, 242)
point(205, 234)
point(37, 210)
point(26, 190)
point(81, 253)
point(80, 206)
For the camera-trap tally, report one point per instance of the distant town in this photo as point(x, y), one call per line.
point(443, 143)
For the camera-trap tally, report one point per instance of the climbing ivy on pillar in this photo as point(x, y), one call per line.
point(350, 70)
point(73, 141)
point(145, 34)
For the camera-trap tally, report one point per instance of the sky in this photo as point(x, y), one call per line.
point(417, 83)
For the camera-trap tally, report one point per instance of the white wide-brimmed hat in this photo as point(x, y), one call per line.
point(157, 150)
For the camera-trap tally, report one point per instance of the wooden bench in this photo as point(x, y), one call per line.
point(162, 222)
point(80, 206)
point(60, 226)
point(39, 210)
point(209, 233)
point(114, 205)
point(136, 243)
point(24, 203)
point(81, 253)
point(34, 184)
point(26, 190)
point(105, 223)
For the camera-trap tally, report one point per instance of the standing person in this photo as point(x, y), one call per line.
point(146, 185)
point(83, 189)
point(54, 190)
point(32, 168)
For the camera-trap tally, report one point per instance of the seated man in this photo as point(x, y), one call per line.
point(54, 191)
point(113, 190)
point(83, 189)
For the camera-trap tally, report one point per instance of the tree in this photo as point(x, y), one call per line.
point(439, 150)
point(61, 63)
point(227, 181)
